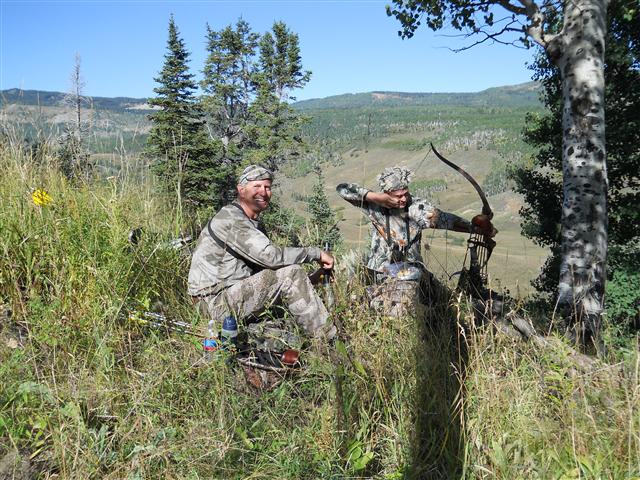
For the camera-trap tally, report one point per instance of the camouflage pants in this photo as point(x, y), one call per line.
point(397, 298)
point(288, 286)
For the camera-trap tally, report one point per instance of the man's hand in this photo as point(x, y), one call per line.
point(384, 200)
point(483, 226)
point(326, 260)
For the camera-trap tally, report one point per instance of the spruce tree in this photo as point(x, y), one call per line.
point(275, 129)
point(323, 219)
point(227, 86)
point(247, 81)
point(183, 155)
point(228, 89)
point(73, 156)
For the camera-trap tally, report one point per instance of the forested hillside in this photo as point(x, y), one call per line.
point(524, 95)
point(344, 121)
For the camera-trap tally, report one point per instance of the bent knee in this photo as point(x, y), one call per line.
point(292, 271)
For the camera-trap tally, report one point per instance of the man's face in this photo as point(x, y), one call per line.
point(255, 196)
point(402, 196)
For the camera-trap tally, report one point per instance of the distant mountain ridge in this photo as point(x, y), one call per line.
point(43, 98)
point(506, 96)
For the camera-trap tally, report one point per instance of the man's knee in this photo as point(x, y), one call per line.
point(293, 278)
point(292, 271)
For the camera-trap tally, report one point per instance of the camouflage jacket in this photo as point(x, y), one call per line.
point(240, 248)
point(396, 234)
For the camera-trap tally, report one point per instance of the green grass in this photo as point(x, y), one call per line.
point(86, 393)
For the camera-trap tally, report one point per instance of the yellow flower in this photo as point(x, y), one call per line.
point(41, 198)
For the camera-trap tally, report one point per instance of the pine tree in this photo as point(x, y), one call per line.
point(276, 126)
point(228, 90)
point(248, 80)
point(72, 153)
point(184, 156)
point(323, 219)
point(228, 84)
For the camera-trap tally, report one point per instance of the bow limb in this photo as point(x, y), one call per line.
point(480, 246)
point(486, 209)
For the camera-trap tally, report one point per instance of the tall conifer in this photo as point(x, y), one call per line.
point(183, 155)
point(276, 126)
point(248, 80)
point(227, 85)
point(323, 218)
point(228, 89)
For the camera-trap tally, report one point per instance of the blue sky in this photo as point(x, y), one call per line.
point(350, 46)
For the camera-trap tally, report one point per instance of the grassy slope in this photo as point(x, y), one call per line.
point(86, 393)
point(374, 131)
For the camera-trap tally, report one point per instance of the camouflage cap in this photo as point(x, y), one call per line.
point(253, 173)
point(394, 178)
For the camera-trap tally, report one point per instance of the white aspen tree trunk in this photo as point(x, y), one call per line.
point(580, 59)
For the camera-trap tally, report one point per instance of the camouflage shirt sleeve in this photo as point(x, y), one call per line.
point(354, 194)
point(428, 216)
point(242, 235)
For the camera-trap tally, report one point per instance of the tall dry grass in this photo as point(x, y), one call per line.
point(86, 393)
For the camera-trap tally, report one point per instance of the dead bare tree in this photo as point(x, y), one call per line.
point(73, 155)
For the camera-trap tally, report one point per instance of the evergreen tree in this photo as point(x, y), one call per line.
point(275, 129)
point(184, 156)
point(323, 219)
point(228, 90)
point(228, 84)
point(247, 82)
point(541, 183)
point(73, 156)
point(280, 62)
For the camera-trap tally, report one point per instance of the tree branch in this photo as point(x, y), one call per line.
point(536, 24)
point(488, 35)
point(511, 8)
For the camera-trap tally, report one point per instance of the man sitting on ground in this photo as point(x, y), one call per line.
point(236, 270)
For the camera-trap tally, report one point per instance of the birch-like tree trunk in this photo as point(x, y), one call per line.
point(578, 52)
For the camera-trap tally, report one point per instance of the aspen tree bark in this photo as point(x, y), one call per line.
point(579, 54)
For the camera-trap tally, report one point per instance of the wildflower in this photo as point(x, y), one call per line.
point(41, 198)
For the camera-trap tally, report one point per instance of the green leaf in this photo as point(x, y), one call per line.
point(341, 348)
point(360, 368)
point(362, 462)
